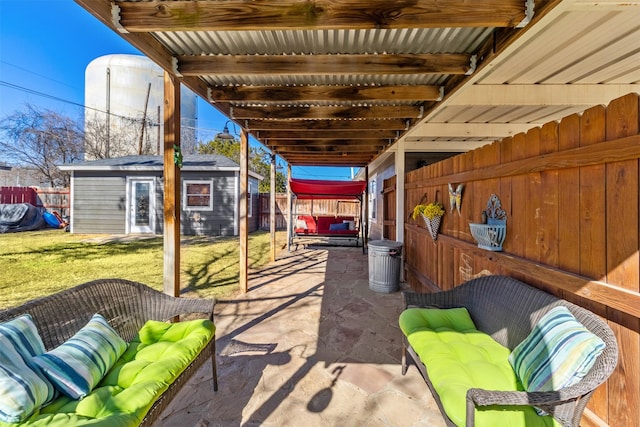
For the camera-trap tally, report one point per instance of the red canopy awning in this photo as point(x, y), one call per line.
point(320, 189)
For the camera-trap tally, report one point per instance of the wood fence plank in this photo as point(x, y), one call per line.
point(506, 192)
point(569, 199)
point(592, 254)
point(515, 240)
point(533, 190)
point(548, 208)
point(623, 261)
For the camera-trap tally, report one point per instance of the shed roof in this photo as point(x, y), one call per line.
point(190, 163)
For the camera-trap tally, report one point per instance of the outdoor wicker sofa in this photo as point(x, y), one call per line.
point(507, 310)
point(127, 306)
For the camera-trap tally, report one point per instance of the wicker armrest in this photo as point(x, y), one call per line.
point(166, 307)
point(480, 397)
point(545, 400)
point(446, 299)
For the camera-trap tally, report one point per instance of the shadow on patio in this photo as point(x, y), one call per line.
point(309, 345)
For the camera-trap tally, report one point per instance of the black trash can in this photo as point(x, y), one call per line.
point(385, 261)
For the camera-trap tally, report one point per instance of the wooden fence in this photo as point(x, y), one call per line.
point(52, 199)
point(304, 207)
point(570, 191)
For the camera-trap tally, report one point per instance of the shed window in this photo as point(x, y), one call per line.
point(197, 195)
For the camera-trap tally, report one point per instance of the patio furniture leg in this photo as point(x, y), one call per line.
point(404, 358)
point(214, 369)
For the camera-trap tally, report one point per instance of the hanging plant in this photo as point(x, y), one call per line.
point(429, 210)
point(432, 214)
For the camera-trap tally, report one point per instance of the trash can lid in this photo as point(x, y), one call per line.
point(388, 244)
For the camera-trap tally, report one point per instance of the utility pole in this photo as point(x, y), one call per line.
point(144, 121)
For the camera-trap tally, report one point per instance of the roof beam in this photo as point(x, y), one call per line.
point(323, 134)
point(323, 112)
point(304, 65)
point(326, 142)
point(334, 125)
point(240, 15)
point(541, 94)
point(327, 160)
point(466, 130)
point(325, 93)
point(330, 149)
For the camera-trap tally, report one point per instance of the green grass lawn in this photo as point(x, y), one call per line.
point(39, 263)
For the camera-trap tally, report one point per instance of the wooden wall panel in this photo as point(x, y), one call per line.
point(568, 199)
point(592, 254)
point(532, 221)
point(547, 212)
point(516, 219)
point(571, 193)
point(622, 261)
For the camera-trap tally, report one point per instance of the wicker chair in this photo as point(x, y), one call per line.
point(507, 309)
point(127, 305)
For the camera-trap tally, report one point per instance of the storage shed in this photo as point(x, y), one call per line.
point(125, 196)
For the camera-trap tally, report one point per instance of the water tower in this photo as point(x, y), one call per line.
point(124, 96)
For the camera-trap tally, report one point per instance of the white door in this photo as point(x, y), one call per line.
point(141, 206)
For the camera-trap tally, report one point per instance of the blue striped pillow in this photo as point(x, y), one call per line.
point(22, 389)
point(76, 366)
point(558, 352)
point(23, 334)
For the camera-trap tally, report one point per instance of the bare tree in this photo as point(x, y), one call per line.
point(117, 140)
point(128, 136)
point(42, 139)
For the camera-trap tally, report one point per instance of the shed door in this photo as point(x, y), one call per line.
point(141, 206)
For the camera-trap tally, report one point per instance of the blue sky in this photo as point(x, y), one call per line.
point(45, 46)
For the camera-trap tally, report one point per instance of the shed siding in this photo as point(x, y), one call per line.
point(219, 221)
point(99, 203)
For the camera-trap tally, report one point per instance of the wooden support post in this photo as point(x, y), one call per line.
point(400, 214)
point(290, 209)
point(243, 217)
point(171, 186)
point(272, 208)
point(400, 168)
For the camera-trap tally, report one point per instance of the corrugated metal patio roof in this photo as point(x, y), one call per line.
point(338, 83)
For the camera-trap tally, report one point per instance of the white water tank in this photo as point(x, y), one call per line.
point(125, 98)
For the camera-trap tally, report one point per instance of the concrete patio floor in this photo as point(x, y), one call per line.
point(309, 345)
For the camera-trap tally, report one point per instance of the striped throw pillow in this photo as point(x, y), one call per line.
point(77, 365)
point(22, 389)
point(558, 352)
point(23, 334)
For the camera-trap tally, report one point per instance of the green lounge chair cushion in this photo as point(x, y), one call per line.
point(153, 360)
point(459, 357)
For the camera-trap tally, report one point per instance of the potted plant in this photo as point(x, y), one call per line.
point(431, 213)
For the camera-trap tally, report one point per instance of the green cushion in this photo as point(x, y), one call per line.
point(558, 352)
point(459, 357)
point(153, 360)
